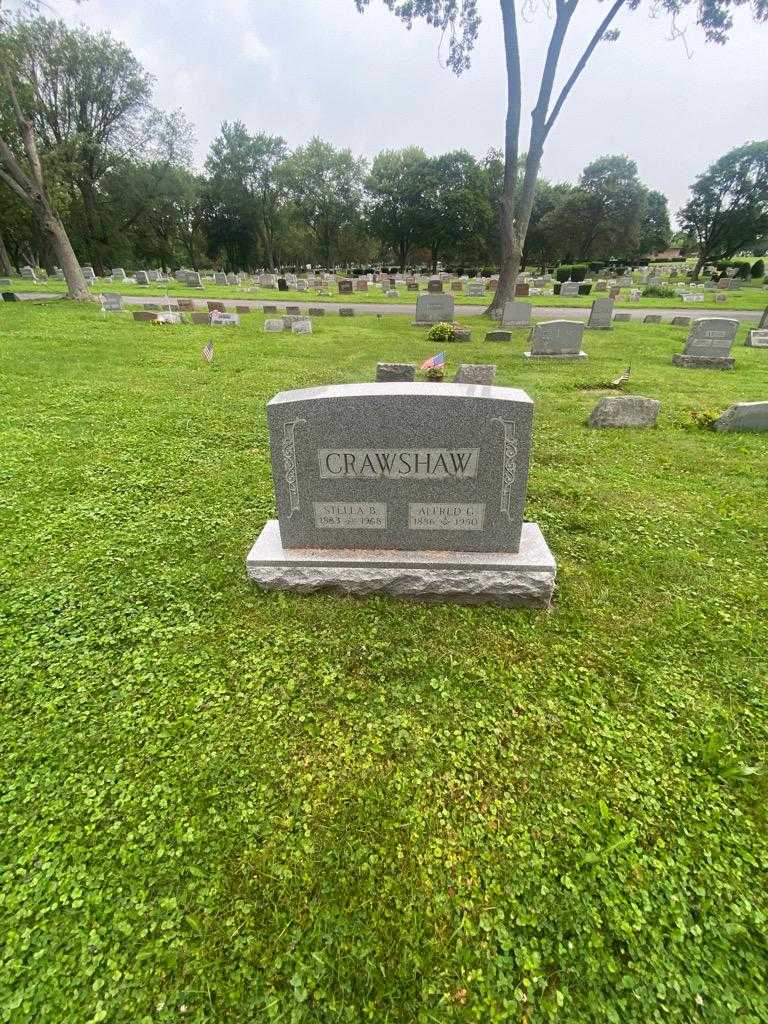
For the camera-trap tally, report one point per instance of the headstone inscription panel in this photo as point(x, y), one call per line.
point(404, 467)
point(434, 308)
point(408, 489)
point(709, 344)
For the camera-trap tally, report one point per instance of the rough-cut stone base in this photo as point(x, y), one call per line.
point(704, 362)
point(572, 356)
point(526, 578)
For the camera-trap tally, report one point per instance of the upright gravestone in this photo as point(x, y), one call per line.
point(476, 288)
point(557, 339)
point(601, 315)
point(413, 490)
point(118, 274)
point(434, 309)
point(763, 320)
point(743, 416)
point(516, 314)
point(111, 302)
point(457, 286)
point(434, 286)
point(389, 372)
point(757, 339)
point(523, 290)
point(141, 277)
point(219, 277)
point(475, 373)
point(193, 279)
point(345, 287)
point(282, 284)
point(569, 289)
point(28, 274)
point(361, 285)
point(709, 344)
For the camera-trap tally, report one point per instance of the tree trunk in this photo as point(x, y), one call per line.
point(511, 246)
point(6, 270)
point(59, 241)
point(698, 268)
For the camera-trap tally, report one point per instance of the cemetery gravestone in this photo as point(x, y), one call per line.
point(625, 411)
point(757, 339)
point(118, 274)
point(413, 286)
point(517, 314)
point(361, 285)
point(215, 306)
point(194, 280)
point(142, 277)
point(5, 282)
point(28, 274)
point(434, 286)
point(345, 287)
point(498, 336)
point(316, 311)
point(273, 326)
point(303, 326)
point(652, 318)
point(233, 280)
point(269, 309)
point(301, 286)
point(282, 284)
point(763, 320)
point(406, 489)
point(476, 373)
point(388, 372)
point(141, 315)
point(224, 319)
point(709, 344)
point(622, 317)
point(523, 290)
point(219, 278)
point(600, 315)
point(112, 303)
point(614, 292)
point(201, 318)
point(346, 312)
point(568, 289)
point(744, 416)
point(557, 339)
point(456, 286)
point(295, 310)
point(434, 309)
point(476, 288)
point(681, 321)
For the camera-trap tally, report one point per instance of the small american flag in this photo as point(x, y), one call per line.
point(621, 379)
point(436, 360)
point(208, 352)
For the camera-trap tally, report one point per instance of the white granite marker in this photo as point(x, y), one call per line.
point(412, 490)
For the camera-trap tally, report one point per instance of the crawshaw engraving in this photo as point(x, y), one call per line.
point(398, 463)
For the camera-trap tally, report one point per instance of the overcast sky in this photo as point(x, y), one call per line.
point(297, 68)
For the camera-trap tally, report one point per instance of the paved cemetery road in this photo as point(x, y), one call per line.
point(401, 309)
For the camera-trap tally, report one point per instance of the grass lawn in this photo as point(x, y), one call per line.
point(223, 805)
point(749, 297)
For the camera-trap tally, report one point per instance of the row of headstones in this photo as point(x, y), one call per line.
point(612, 411)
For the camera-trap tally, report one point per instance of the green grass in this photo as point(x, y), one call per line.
point(752, 296)
point(225, 805)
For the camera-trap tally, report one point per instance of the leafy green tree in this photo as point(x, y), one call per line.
point(604, 214)
point(395, 209)
point(459, 21)
point(655, 229)
point(86, 94)
point(728, 208)
point(457, 207)
point(246, 193)
point(325, 187)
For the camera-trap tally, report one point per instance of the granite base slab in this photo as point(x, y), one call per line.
point(524, 579)
point(568, 356)
point(704, 362)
